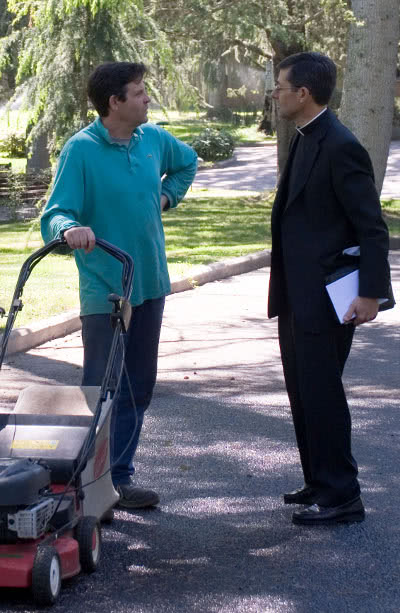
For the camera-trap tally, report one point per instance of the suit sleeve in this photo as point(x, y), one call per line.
point(353, 182)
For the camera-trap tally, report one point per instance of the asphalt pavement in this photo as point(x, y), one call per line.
point(218, 445)
point(254, 169)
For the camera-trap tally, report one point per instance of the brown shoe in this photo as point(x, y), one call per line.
point(132, 497)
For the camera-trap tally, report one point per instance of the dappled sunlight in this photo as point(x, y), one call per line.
point(218, 445)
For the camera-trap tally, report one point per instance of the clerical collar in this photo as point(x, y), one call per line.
point(300, 129)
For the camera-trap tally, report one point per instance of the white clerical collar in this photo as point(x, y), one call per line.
point(300, 128)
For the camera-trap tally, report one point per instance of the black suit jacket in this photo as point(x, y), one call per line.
point(332, 204)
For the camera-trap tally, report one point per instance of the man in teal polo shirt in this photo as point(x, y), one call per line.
point(114, 179)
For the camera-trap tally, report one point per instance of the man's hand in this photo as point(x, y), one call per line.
point(164, 202)
point(361, 310)
point(80, 237)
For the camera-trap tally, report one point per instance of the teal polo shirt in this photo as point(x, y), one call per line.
point(116, 191)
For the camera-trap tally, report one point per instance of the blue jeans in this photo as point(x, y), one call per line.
point(141, 363)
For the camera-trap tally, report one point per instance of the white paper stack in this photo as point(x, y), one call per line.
point(342, 292)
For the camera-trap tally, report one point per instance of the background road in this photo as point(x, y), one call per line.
point(218, 445)
point(254, 169)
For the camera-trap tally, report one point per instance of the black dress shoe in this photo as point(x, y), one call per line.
point(305, 495)
point(316, 515)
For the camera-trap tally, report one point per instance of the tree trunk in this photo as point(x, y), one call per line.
point(284, 132)
point(40, 159)
point(268, 121)
point(370, 75)
point(284, 128)
point(218, 96)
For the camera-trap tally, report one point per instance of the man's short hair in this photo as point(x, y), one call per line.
point(314, 71)
point(111, 79)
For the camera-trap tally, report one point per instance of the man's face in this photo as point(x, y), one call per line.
point(287, 96)
point(133, 111)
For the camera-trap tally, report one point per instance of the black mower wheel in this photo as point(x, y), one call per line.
point(46, 576)
point(108, 517)
point(88, 535)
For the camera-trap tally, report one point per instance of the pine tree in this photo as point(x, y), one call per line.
point(60, 43)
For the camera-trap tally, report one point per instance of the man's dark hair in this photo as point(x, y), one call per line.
point(111, 79)
point(314, 71)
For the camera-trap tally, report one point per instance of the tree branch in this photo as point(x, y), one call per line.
point(251, 47)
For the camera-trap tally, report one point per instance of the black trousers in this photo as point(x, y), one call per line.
point(313, 365)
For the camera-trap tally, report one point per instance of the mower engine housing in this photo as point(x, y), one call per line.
point(24, 511)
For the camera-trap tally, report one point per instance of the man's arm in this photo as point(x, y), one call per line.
point(164, 203)
point(353, 181)
point(179, 164)
point(64, 206)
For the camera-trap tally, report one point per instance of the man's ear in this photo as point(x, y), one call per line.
point(113, 102)
point(304, 94)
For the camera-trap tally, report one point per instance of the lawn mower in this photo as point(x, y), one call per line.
point(55, 479)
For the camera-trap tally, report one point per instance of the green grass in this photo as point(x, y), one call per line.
point(183, 125)
point(186, 126)
point(391, 213)
point(13, 121)
point(208, 226)
point(203, 229)
point(52, 287)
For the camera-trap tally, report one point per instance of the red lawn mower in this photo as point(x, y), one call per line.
point(55, 479)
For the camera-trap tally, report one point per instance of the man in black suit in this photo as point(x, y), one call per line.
point(326, 203)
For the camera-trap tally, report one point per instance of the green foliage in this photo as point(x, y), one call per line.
point(214, 145)
point(16, 186)
point(197, 232)
point(61, 41)
point(396, 113)
point(13, 144)
point(53, 45)
point(205, 228)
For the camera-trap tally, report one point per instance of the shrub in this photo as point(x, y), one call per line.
point(213, 145)
point(14, 145)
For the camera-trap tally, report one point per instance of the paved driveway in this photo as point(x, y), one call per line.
point(218, 445)
point(254, 169)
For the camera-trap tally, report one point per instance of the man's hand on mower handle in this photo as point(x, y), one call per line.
point(80, 237)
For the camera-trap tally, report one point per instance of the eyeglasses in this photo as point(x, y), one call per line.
point(278, 89)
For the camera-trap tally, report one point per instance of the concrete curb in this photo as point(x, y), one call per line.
point(23, 339)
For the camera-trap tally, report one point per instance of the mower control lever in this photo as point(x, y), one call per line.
point(122, 311)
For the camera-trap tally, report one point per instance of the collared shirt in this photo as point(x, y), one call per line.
point(300, 129)
point(300, 152)
point(116, 191)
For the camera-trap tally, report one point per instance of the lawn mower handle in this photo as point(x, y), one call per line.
point(37, 256)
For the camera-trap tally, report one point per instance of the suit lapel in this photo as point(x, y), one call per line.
point(281, 194)
point(313, 146)
point(303, 172)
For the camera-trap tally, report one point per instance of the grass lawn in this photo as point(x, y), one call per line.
point(205, 228)
point(183, 125)
point(13, 121)
point(186, 126)
point(391, 214)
